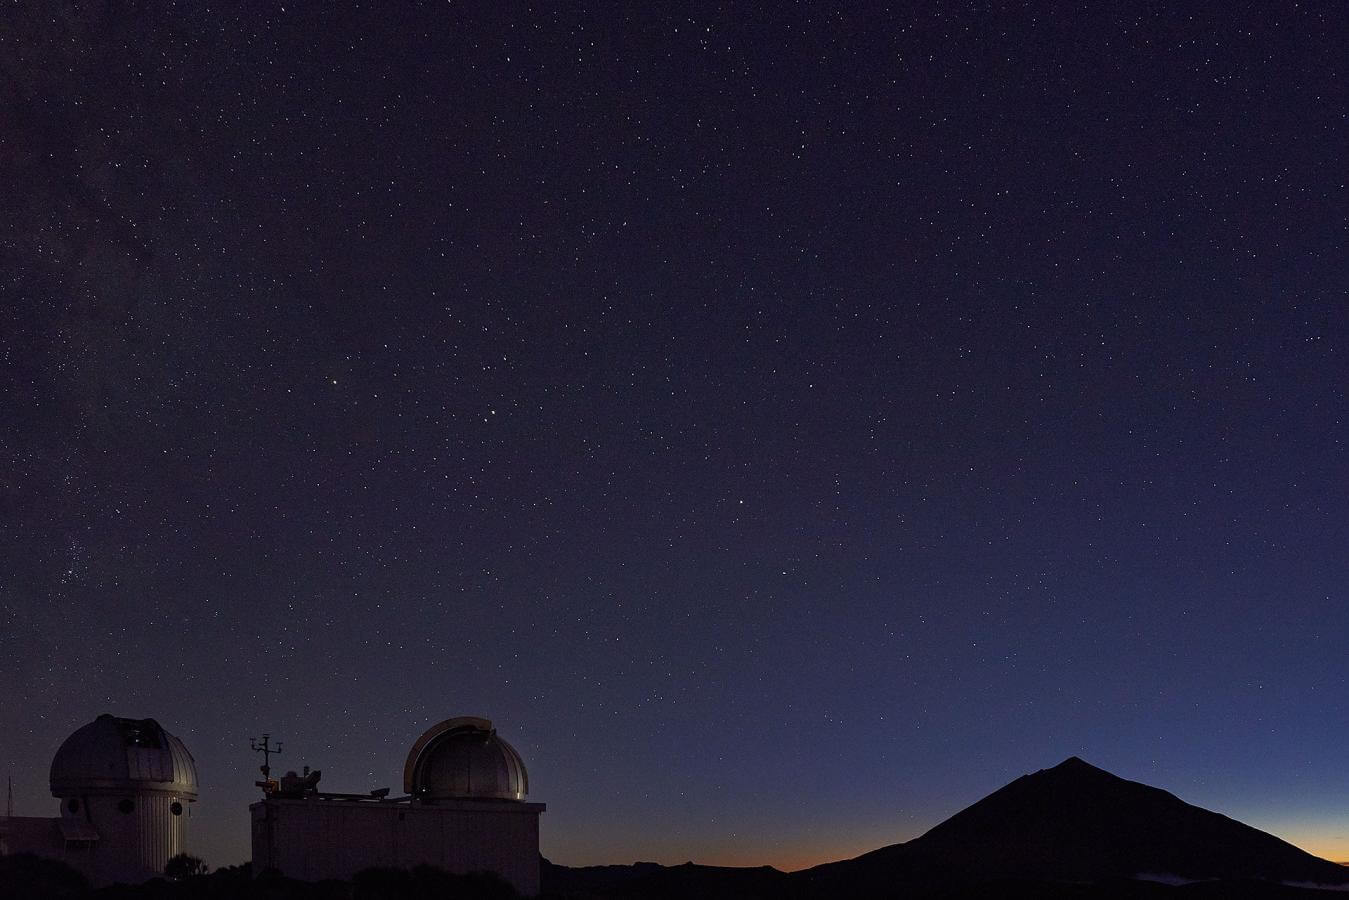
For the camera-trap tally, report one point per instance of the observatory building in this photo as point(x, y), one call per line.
point(465, 811)
point(125, 787)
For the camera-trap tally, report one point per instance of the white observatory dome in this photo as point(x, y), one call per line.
point(116, 756)
point(463, 758)
point(125, 787)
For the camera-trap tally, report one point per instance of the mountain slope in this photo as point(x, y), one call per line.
point(1078, 823)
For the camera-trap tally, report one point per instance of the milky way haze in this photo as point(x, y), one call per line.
point(787, 432)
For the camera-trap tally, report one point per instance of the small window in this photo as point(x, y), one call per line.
point(176, 808)
point(125, 806)
point(73, 805)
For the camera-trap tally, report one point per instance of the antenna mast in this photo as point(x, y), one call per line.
point(266, 749)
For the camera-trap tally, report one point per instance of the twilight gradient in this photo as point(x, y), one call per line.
point(786, 431)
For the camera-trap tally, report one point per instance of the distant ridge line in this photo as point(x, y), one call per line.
point(1069, 831)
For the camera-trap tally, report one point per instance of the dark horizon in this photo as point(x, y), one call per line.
point(786, 432)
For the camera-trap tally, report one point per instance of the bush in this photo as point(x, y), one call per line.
point(28, 876)
point(184, 866)
point(429, 883)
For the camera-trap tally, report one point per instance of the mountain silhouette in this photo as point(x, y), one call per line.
point(1078, 823)
point(1073, 832)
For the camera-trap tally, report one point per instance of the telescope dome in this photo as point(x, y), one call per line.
point(113, 755)
point(464, 759)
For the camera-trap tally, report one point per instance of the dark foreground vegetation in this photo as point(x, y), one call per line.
point(24, 877)
point(31, 878)
point(693, 882)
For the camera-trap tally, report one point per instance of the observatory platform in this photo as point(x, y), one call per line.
point(464, 811)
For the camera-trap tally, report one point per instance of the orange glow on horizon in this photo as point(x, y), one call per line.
point(785, 859)
point(1334, 847)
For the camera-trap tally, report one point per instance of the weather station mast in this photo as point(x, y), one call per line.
point(268, 784)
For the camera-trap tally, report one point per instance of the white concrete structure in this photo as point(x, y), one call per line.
point(465, 812)
point(126, 787)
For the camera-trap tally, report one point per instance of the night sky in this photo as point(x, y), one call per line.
point(786, 429)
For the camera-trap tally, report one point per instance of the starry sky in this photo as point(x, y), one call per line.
point(787, 428)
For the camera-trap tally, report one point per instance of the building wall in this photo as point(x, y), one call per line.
point(111, 846)
point(29, 834)
point(317, 839)
point(132, 846)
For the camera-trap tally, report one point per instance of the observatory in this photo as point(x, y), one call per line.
point(464, 811)
point(126, 787)
point(464, 758)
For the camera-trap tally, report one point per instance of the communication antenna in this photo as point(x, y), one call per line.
point(9, 801)
point(266, 749)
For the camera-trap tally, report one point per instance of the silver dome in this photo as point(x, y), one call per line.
point(118, 755)
point(464, 758)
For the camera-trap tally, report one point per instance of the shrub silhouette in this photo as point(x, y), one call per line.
point(184, 866)
point(429, 883)
point(25, 875)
